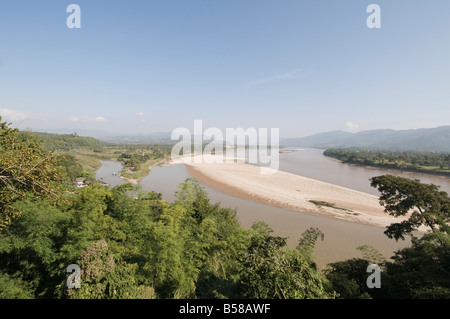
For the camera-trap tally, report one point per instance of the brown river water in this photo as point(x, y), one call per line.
point(342, 238)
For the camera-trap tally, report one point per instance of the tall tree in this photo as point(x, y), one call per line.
point(30, 249)
point(272, 272)
point(424, 203)
point(25, 166)
point(419, 271)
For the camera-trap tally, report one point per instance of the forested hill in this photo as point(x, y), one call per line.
point(427, 140)
point(67, 142)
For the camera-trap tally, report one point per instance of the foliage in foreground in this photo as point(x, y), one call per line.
point(420, 271)
point(130, 243)
point(25, 167)
point(148, 248)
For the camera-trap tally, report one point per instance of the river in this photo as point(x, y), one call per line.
point(109, 173)
point(311, 163)
point(341, 237)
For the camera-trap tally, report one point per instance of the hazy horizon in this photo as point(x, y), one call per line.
point(135, 68)
point(167, 133)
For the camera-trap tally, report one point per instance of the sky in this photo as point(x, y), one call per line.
point(303, 66)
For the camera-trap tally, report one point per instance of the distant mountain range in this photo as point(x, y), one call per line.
point(426, 139)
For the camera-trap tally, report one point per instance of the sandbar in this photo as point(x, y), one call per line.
point(291, 191)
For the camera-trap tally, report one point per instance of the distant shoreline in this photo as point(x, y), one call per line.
point(390, 168)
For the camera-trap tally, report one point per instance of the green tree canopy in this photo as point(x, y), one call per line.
point(273, 272)
point(25, 166)
point(419, 271)
point(426, 204)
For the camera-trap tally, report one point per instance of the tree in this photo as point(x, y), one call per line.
point(170, 265)
point(71, 166)
point(307, 243)
point(426, 204)
point(214, 241)
point(349, 277)
point(89, 221)
point(193, 197)
point(25, 166)
point(30, 247)
point(13, 287)
point(419, 271)
point(104, 276)
point(271, 272)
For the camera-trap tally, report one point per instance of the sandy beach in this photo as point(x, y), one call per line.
point(290, 191)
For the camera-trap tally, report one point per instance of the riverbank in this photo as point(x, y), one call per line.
point(291, 191)
point(371, 159)
point(341, 240)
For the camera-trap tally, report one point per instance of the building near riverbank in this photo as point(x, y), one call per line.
point(80, 182)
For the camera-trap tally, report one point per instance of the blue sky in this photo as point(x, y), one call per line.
point(299, 65)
